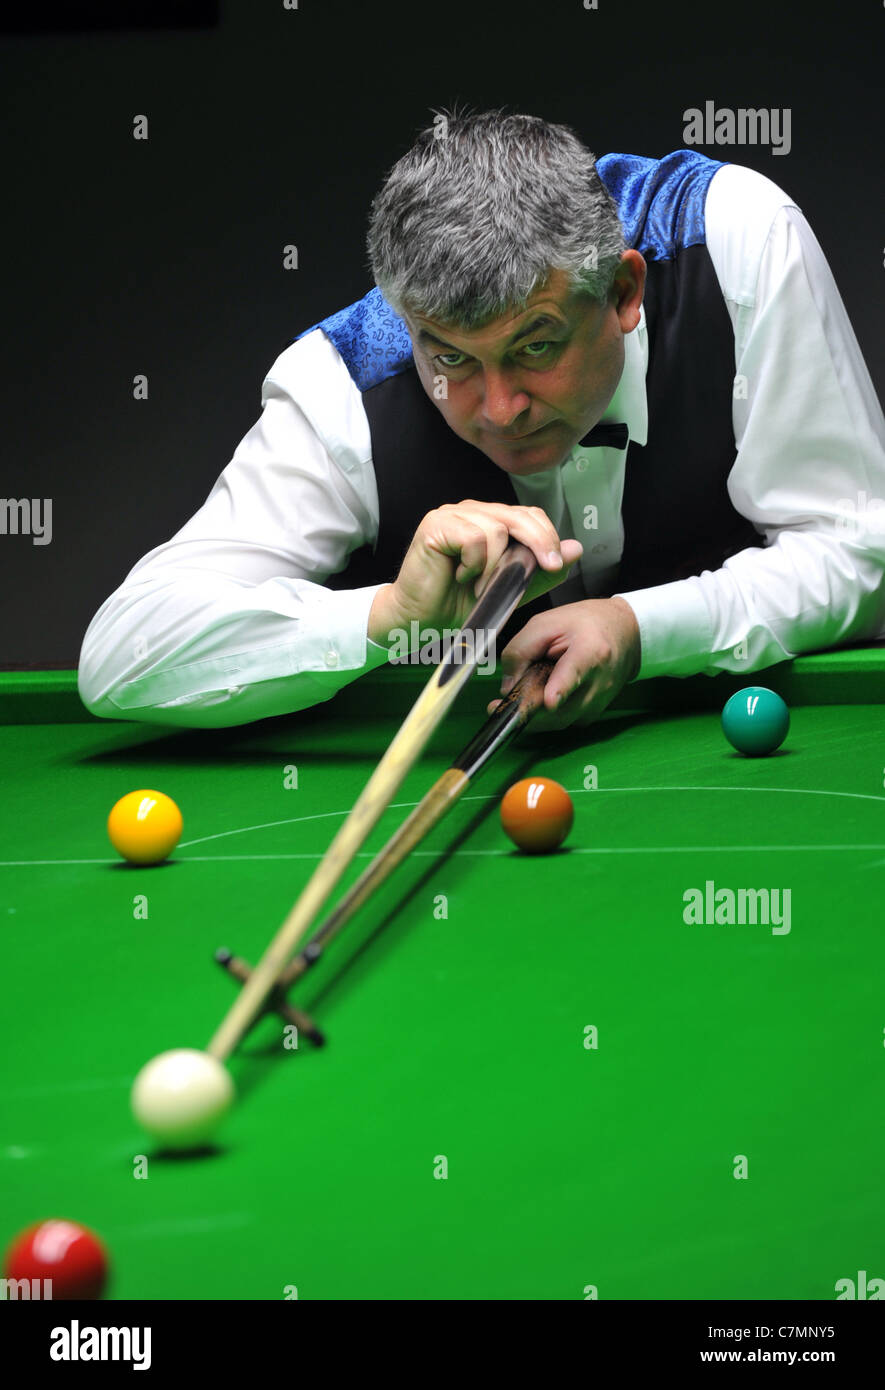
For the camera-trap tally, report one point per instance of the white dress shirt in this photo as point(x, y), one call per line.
point(229, 621)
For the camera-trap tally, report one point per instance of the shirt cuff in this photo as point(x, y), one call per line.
point(675, 628)
point(336, 633)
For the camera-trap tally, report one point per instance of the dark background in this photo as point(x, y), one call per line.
point(271, 126)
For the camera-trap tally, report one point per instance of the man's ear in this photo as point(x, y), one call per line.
point(628, 289)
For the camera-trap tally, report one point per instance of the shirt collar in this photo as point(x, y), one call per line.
point(629, 404)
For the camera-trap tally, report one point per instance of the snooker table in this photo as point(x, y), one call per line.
point(460, 1136)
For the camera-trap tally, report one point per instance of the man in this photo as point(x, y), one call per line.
point(641, 369)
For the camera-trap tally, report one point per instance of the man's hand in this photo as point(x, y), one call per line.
point(596, 646)
point(451, 557)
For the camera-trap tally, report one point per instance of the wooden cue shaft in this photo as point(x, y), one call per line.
point(512, 714)
point(506, 586)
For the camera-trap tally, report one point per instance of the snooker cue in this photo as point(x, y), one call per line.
point(506, 586)
point(511, 715)
point(240, 970)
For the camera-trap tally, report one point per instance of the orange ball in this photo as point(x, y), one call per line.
point(537, 813)
point(145, 826)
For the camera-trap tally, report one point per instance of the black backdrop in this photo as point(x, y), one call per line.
point(270, 126)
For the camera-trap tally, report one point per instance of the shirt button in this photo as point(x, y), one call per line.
point(581, 466)
point(331, 658)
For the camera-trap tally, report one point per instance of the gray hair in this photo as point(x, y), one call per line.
point(471, 221)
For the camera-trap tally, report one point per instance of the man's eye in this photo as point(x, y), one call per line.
point(537, 349)
point(445, 359)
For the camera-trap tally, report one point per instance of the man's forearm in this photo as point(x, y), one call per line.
point(191, 652)
point(807, 591)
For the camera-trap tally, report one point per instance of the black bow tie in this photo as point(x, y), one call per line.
point(605, 436)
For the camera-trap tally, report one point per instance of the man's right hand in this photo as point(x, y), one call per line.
point(452, 554)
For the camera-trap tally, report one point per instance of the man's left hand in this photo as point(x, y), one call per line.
point(596, 646)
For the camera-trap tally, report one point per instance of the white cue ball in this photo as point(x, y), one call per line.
point(180, 1097)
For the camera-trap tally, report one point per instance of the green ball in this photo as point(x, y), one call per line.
point(755, 720)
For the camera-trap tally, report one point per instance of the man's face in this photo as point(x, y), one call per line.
point(526, 387)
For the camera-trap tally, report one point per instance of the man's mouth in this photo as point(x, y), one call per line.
point(514, 438)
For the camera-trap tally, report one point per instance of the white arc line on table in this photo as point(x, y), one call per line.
point(408, 805)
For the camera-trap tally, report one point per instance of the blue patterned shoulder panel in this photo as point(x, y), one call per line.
point(372, 339)
point(661, 206)
point(660, 201)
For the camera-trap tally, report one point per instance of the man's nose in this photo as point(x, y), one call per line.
point(503, 400)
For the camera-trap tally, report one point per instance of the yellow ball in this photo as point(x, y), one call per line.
point(145, 826)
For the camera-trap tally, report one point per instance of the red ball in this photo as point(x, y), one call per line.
point(537, 813)
point(70, 1255)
